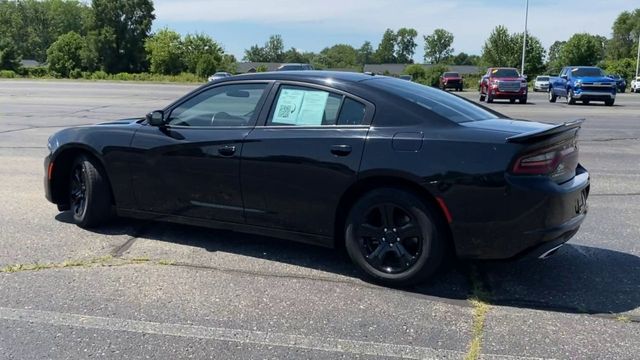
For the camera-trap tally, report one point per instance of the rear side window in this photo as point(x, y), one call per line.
point(302, 106)
point(437, 101)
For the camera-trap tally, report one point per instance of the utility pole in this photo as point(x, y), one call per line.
point(524, 43)
point(637, 60)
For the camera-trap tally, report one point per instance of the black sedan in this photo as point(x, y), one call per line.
point(398, 173)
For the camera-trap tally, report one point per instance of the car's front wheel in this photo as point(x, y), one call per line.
point(394, 237)
point(552, 96)
point(89, 193)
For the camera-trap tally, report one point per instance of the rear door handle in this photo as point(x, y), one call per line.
point(227, 150)
point(341, 150)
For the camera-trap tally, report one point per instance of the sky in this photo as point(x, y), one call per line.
point(314, 25)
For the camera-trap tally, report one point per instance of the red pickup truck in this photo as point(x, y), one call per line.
point(451, 80)
point(503, 83)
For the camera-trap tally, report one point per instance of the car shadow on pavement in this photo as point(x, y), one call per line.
point(577, 279)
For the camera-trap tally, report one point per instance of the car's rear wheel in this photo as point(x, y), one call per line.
point(523, 100)
point(586, 102)
point(512, 101)
point(394, 237)
point(89, 193)
point(609, 102)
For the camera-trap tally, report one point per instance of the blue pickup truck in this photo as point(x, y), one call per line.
point(582, 83)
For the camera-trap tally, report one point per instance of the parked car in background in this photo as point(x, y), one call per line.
point(399, 174)
point(583, 83)
point(621, 82)
point(219, 75)
point(451, 80)
point(541, 83)
point(635, 85)
point(294, 67)
point(406, 77)
point(503, 83)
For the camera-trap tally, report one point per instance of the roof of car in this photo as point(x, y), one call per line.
point(306, 75)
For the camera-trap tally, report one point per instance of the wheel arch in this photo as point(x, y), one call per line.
point(62, 162)
point(364, 185)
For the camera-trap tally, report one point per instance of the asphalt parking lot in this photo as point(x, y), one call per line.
point(151, 290)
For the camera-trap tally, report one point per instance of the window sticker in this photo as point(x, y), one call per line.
point(300, 107)
point(288, 106)
point(312, 109)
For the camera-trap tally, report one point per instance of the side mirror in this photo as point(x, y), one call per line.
point(564, 76)
point(156, 118)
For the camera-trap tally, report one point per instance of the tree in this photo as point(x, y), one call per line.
point(365, 53)
point(121, 28)
point(339, 56)
point(582, 49)
point(437, 46)
point(255, 54)
point(498, 49)
point(272, 51)
point(385, 53)
point(406, 45)
point(554, 63)
point(69, 53)
point(165, 52)
point(625, 67)
point(464, 59)
point(201, 53)
point(534, 58)
point(625, 32)
point(9, 57)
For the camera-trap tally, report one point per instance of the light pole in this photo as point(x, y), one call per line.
point(524, 43)
point(638, 61)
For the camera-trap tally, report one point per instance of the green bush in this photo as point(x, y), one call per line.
point(75, 74)
point(99, 75)
point(7, 74)
point(36, 72)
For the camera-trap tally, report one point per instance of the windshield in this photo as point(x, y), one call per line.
point(451, 74)
point(543, 78)
point(440, 102)
point(587, 71)
point(505, 73)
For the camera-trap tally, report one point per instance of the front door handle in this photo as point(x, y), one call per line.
point(341, 150)
point(227, 150)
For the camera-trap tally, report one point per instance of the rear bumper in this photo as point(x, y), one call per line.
point(528, 218)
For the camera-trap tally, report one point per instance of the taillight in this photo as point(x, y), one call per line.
point(555, 161)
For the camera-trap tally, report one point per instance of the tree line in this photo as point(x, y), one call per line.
point(114, 36)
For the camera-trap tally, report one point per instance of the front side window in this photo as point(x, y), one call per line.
point(228, 105)
point(301, 106)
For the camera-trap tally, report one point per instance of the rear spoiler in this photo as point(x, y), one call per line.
point(539, 134)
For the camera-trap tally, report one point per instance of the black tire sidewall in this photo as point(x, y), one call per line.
point(431, 255)
point(97, 207)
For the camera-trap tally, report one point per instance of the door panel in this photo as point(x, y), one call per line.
point(191, 165)
point(293, 178)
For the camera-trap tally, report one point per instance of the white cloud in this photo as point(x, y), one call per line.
point(471, 21)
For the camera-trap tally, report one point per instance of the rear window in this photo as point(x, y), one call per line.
point(440, 102)
point(451, 74)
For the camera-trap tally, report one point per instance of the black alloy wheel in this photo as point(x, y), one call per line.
point(389, 238)
point(78, 191)
point(89, 193)
point(394, 237)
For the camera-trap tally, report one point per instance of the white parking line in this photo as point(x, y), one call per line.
point(223, 334)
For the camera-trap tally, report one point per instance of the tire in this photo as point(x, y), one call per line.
point(89, 193)
point(622, 90)
point(512, 101)
point(552, 96)
point(489, 98)
point(609, 102)
point(586, 102)
point(482, 96)
point(570, 99)
point(523, 100)
point(412, 259)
